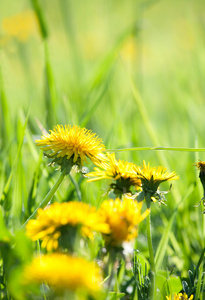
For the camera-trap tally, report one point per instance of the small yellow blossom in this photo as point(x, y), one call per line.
point(121, 171)
point(180, 296)
point(21, 25)
point(152, 177)
point(62, 219)
point(129, 50)
point(200, 165)
point(123, 218)
point(74, 144)
point(61, 272)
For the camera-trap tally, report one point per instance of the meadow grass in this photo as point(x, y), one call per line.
point(133, 72)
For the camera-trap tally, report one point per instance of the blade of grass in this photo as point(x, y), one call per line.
point(35, 155)
point(110, 58)
point(161, 249)
point(51, 92)
point(181, 149)
point(88, 114)
point(8, 182)
point(67, 18)
point(41, 19)
point(5, 117)
point(19, 182)
point(30, 203)
point(199, 294)
point(5, 235)
point(47, 198)
point(153, 137)
point(77, 188)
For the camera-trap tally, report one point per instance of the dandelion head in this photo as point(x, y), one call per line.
point(63, 272)
point(20, 26)
point(152, 177)
point(123, 218)
point(201, 166)
point(72, 145)
point(180, 296)
point(60, 221)
point(120, 171)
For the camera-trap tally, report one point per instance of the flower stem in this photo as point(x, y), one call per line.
point(48, 197)
point(111, 268)
point(149, 240)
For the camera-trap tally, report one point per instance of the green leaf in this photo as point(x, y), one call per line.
point(141, 196)
point(161, 249)
point(5, 235)
point(115, 295)
point(174, 283)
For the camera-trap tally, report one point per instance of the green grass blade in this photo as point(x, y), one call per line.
point(153, 137)
point(199, 294)
point(161, 249)
point(31, 201)
point(88, 114)
point(76, 185)
point(8, 182)
point(5, 235)
point(110, 58)
point(181, 149)
point(5, 117)
point(51, 93)
point(41, 19)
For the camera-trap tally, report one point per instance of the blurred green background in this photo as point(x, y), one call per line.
point(133, 72)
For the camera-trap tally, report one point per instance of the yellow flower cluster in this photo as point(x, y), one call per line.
point(61, 271)
point(51, 221)
point(121, 171)
point(115, 169)
point(118, 220)
point(73, 143)
point(152, 177)
point(123, 217)
point(201, 166)
point(21, 25)
point(180, 296)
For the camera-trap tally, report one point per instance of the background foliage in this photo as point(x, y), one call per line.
point(133, 72)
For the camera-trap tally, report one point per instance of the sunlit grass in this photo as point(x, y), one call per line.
point(133, 73)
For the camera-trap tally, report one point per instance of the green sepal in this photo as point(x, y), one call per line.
point(62, 162)
point(141, 196)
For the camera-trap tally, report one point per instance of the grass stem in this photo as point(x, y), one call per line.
point(48, 197)
point(150, 246)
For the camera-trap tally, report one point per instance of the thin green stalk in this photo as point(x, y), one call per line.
point(111, 268)
point(183, 149)
point(40, 18)
point(48, 197)
point(150, 247)
point(77, 189)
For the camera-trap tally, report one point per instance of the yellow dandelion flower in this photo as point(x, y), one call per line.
point(201, 166)
point(123, 218)
point(152, 177)
point(20, 26)
point(61, 220)
point(121, 171)
point(180, 296)
point(72, 145)
point(61, 272)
